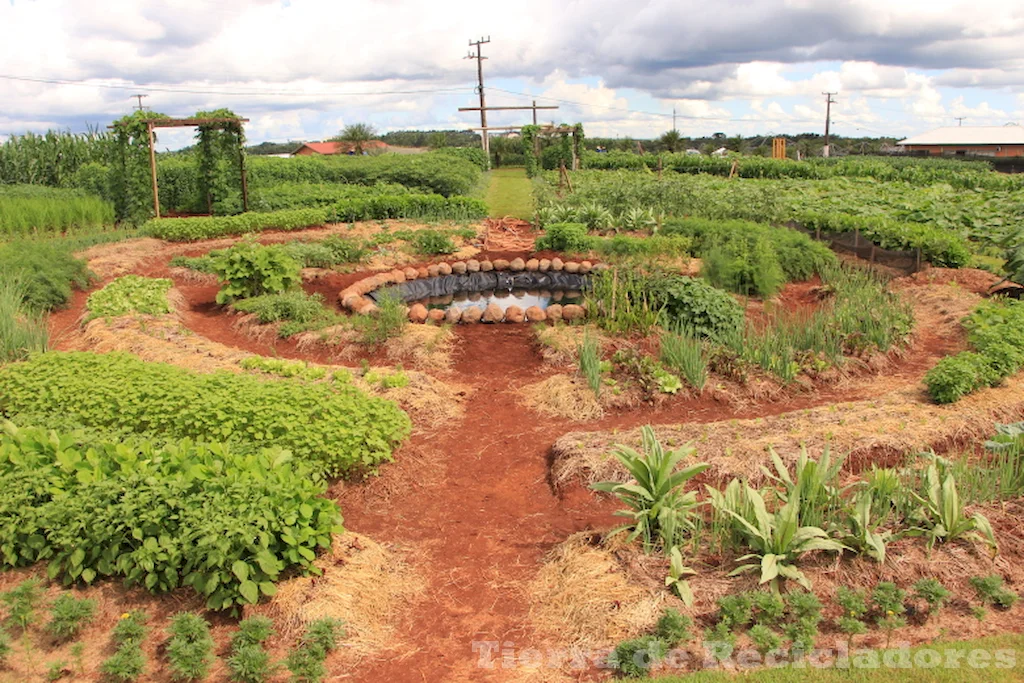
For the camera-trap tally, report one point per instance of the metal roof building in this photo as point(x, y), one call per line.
point(998, 141)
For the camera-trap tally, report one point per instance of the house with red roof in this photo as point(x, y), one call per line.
point(310, 148)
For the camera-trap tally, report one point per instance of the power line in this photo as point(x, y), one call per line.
point(237, 93)
point(479, 57)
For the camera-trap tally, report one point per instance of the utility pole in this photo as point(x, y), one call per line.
point(960, 120)
point(480, 89)
point(828, 119)
point(673, 118)
point(139, 98)
point(535, 112)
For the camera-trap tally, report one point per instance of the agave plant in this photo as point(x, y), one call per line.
point(658, 508)
point(778, 540)
point(557, 213)
point(941, 516)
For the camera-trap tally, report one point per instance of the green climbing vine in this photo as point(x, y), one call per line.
point(219, 152)
point(132, 190)
point(529, 137)
point(562, 142)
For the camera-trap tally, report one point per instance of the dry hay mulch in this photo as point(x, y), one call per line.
point(508, 234)
point(585, 597)
point(559, 344)
point(364, 584)
point(192, 277)
point(563, 396)
point(971, 279)
point(875, 430)
point(429, 401)
point(427, 347)
point(121, 258)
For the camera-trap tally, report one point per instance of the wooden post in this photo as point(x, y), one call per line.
point(872, 259)
point(659, 167)
point(245, 181)
point(856, 238)
point(817, 232)
point(732, 171)
point(152, 170)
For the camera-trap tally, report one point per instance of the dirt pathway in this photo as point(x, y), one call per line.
point(482, 532)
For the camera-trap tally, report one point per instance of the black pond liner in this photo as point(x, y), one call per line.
point(527, 288)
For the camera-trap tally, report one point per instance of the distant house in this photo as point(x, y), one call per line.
point(992, 141)
point(310, 148)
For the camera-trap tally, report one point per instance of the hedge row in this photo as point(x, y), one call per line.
point(938, 246)
point(995, 329)
point(183, 514)
point(423, 206)
point(336, 428)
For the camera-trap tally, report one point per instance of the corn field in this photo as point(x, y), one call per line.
point(53, 158)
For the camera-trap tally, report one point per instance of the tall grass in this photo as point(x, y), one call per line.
point(589, 359)
point(21, 332)
point(1000, 476)
point(32, 211)
point(621, 303)
point(388, 322)
point(685, 353)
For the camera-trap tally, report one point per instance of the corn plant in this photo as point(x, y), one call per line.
point(659, 511)
point(778, 541)
point(941, 518)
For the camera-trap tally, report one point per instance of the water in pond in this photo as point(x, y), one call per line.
point(517, 297)
point(523, 289)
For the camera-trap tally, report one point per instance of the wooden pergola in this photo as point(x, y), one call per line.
point(221, 123)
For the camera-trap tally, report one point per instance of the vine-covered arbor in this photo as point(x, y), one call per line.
point(220, 151)
point(568, 139)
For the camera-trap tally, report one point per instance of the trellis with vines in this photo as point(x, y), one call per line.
point(220, 158)
point(568, 139)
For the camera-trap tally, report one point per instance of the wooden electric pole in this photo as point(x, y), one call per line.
point(960, 120)
point(828, 120)
point(479, 57)
point(139, 98)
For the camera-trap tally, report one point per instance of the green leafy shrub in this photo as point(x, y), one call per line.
point(954, 377)
point(635, 657)
point(69, 615)
point(299, 310)
point(155, 515)
point(283, 368)
point(250, 269)
point(736, 611)
point(770, 608)
point(673, 628)
point(207, 227)
point(200, 264)
point(887, 600)
point(126, 664)
point(190, 647)
point(933, 593)
point(306, 662)
point(252, 631)
point(5, 646)
point(337, 429)
point(764, 639)
point(130, 294)
point(991, 591)
point(21, 602)
point(695, 306)
point(567, 237)
point(432, 242)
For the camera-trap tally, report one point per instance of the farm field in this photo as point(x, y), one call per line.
point(366, 432)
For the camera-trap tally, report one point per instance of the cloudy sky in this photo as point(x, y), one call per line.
point(302, 69)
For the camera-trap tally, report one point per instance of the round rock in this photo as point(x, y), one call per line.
point(533, 265)
point(573, 312)
point(554, 312)
point(453, 315)
point(435, 315)
point(444, 269)
point(417, 313)
point(572, 267)
point(557, 264)
point(470, 315)
point(421, 272)
point(517, 264)
point(535, 314)
point(472, 266)
point(486, 266)
point(586, 267)
point(398, 276)
point(493, 314)
point(544, 265)
point(501, 264)
point(514, 314)
point(459, 267)
point(434, 270)
point(411, 274)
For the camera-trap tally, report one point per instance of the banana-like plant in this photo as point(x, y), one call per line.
point(941, 517)
point(778, 540)
point(637, 219)
point(862, 536)
point(658, 509)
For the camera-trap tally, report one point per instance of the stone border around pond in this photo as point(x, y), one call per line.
point(353, 297)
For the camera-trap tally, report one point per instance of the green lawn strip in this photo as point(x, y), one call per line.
point(995, 658)
point(510, 193)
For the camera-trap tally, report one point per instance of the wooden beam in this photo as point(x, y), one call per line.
point(176, 123)
point(503, 108)
point(152, 170)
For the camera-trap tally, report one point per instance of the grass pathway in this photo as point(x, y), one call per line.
point(509, 193)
